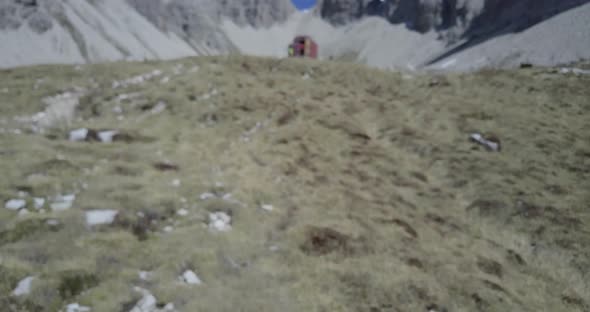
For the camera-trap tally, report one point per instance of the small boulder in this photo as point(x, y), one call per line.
point(219, 221)
point(207, 195)
point(100, 217)
point(190, 277)
point(23, 287)
point(107, 135)
point(39, 202)
point(75, 307)
point(267, 207)
point(145, 275)
point(15, 204)
point(78, 135)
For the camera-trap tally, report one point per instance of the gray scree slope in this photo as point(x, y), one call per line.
point(403, 34)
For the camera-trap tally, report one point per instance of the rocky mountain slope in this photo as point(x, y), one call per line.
point(404, 34)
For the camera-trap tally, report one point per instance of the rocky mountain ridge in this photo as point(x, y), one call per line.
point(375, 32)
point(458, 18)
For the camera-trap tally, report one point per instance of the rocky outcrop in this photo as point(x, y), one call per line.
point(472, 17)
point(37, 15)
point(196, 20)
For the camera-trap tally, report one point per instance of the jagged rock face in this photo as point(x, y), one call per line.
point(184, 12)
point(196, 20)
point(256, 12)
point(340, 12)
point(455, 16)
point(420, 15)
point(15, 13)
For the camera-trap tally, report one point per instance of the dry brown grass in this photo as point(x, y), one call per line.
point(380, 201)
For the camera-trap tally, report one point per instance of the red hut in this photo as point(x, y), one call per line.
point(303, 46)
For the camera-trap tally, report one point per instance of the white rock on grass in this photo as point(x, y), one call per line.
point(145, 275)
point(15, 204)
point(78, 135)
point(576, 71)
point(182, 212)
point(160, 107)
point(63, 202)
point(168, 229)
point(23, 287)
point(39, 202)
point(146, 304)
point(52, 222)
point(191, 278)
point(207, 195)
point(76, 307)
point(100, 217)
point(176, 183)
point(267, 207)
point(107, 135)
point(23, 212)
point(219, 221)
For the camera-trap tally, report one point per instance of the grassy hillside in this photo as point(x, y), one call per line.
point(379, 200)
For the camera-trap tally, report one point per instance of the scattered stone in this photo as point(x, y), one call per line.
point(160, 107)
point(182, 212)
point(23, 287)
point(306, 76)
point(491, 143)
point(99, 217)
point(63, 202)
point(165, 80)
point(107, 136)
point(140, 79)
point(146, 304)
point(78, 135)
point(575, 71)
point(207, 195)
point(22, 194)
point(52, 222)
point(23, 212)
point(15, 204)
point(168, 229)
point(267, 207)
point(219, 221)
point(118, 110)
point(145, 275)
point(75, 307)
point(190, 277)
point(176, 182)
point(39, 202)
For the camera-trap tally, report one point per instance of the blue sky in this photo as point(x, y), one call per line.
point(304, 4)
